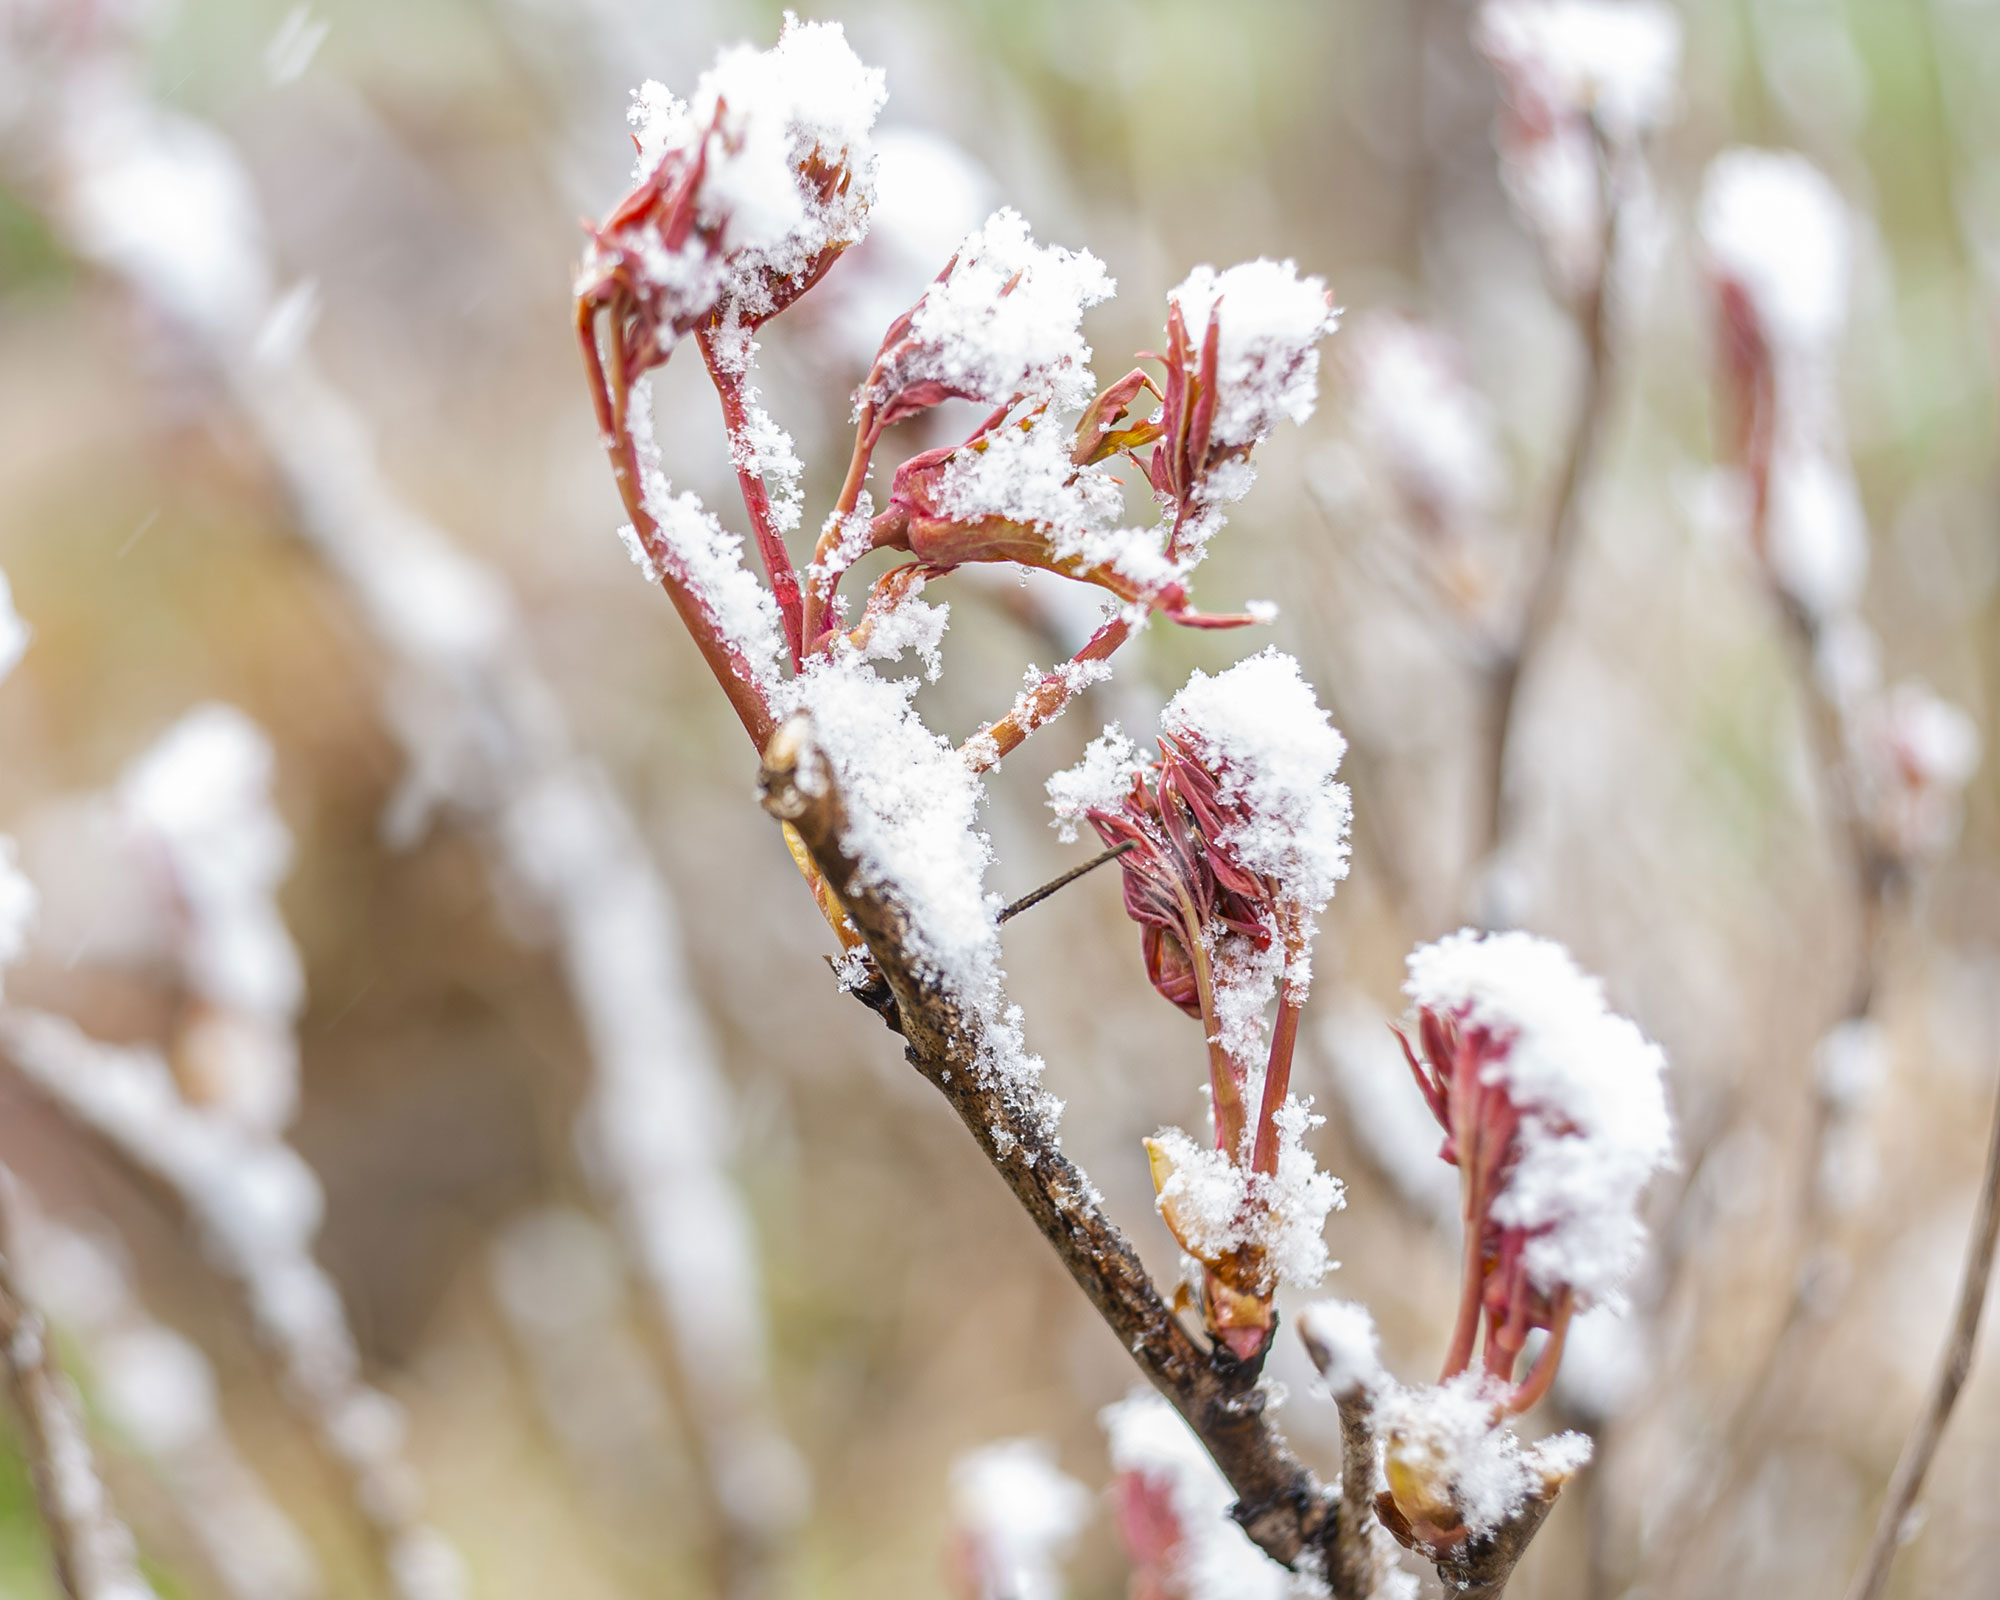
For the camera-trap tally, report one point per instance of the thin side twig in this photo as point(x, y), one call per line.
point(1954, 1366)
point(91, 1550)
point(1551, 571)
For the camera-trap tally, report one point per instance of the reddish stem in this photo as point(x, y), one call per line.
point(756, 498)
point(1041, 704)
point(732, 670)
point(1225, 1093)
point(1543, 1373)
point(1277, 1084)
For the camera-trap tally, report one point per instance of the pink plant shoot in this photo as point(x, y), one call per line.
point(1555, 1114)
point(1235, 838)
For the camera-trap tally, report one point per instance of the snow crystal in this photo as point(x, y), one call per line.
point(810, 95)
point(1267, 360)
point(1099, 782)
point(1008, 319)
point(1340, 1337)
point(1615, 60)
point(1772, 223)
point(1594, 1124)
point(1217, 1207)
point(1276, 753)
point(1215, 1559)
point(1017, 1514)
point(764, 450)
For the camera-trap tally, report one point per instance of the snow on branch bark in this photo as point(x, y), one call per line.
point(1282, 1506)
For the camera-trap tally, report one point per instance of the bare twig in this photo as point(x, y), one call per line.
point(90, 1548)
point(1954, 1365)
point(1553, 561)
point(1035, 897)
point(255, 1205)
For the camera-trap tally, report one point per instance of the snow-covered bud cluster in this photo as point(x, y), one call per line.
point(745, 193)
point(1173, 1512)
point(1775, 235)
point(1234, 840)
point(1453, 1472)
point(1555, 1114)
point(1003, 324)
point(1242, 356)
point(1014, 1517)
point(1575, 75)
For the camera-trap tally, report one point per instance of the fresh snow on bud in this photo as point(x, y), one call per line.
point(766, 124)
point(1340, 1337)
point(1275, 754)
point(1218, 1208)
point(1099, 782)
point(1015, 1514)
point(1590, 1091)
point(1007, 320)
point(1271, 322)
point(1775, 226)
point(1615, 60)
point(1174, 1508)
